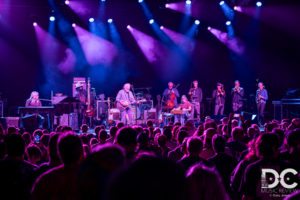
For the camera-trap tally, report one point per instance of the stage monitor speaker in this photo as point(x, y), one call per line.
point(150, 114)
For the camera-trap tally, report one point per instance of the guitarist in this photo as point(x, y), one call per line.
point(124, 99)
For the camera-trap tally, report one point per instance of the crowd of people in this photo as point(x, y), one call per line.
point(232, 159)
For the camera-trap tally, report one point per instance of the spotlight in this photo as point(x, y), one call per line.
point(161, 27)
point(52, 18)
point(221, 3)
point(141, 1)
point(228, 23)
point(209, 28)
point(67, 2)
point(103, 0)
point(34, 24)
point(167, 5)
point(258, 4)
point(91, 20)
point(151, 21)
point(197, 22)
point(128, 27)
point(73, 25)
point(110, 20)
point(188, 2)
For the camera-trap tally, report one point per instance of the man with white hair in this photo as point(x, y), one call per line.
point(124, 99)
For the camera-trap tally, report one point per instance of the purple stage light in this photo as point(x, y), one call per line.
point(237, 8)
point(161, 27)
point(234, 44)
point(73, 25)
point(96, 49)
point(209, 28)
point(34, 24)
point(67, 2)
point(167, 5)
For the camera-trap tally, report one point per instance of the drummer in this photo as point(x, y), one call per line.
point(186, 107)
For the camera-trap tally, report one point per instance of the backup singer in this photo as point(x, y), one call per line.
point(219, 97)
point(196, 98)
point(170, 96)
point(261, 100)
point(34, 101)
point(237, 95)
point(124, 99)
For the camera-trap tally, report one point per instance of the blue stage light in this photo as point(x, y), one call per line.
point(221, 3)
point(110, 20)
point(197, 22)
point(228, 23)
point(52, 18)
point(258, 4)
point(141, 1)
point(188, 2)
point(151, 21)
point(91, 20)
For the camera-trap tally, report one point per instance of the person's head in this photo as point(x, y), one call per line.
point(44, 140)
point(103, 136)
point(208, 135)
point(293, 141)
point(260, 85)
point(251, 132)
point(84, 128)
point(203, 182)
point(27, 138)
point(181, 135)
point(162, 141)
point(52, 148)
point(237, 83)
point(194, 146)
point(94, 141)
point(237, 133)
point(126, 137)
point(234, 123)
point(195, 84)
point(120, 125)
point(267, 145)
point(225, 120)
point(184, 99)
point(149, 178)
point(210, 123)
point(112, 131)
point(11, 130)
point(218, 143)
point(15, 145)
point(150, 123)
point(97, 130)
point(34, 95)
point(219, 86)
point(168, 133)
point(170, 85)
point(127, 87)
point(34, 154)
point(70, 148)
point(143, 140)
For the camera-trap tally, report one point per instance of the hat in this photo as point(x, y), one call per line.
point(78, 85)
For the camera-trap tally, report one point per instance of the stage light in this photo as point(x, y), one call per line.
point(151, 21)
point(188, 2)
point(141, 1)
point(73, 25)
point(161, 27)
point(91, 20)
point(258, 4)
point(128, 27)
point(167, 5)
point(110, 20)
point(52, 18)
point(228, 23)
point(197, 22)
point(103, 0)
point(209, 28)
point(221, 3)
point(34, 24)
point(67, 2)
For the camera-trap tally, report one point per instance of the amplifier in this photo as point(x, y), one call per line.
point(114, 114)
point(150, 114)
point(102, 109)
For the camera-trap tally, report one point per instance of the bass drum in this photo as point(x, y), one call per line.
point(136, 112)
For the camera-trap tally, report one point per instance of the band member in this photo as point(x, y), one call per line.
point(81, 95)
point(196, 99)
point(219, 97)
point(124, 99)
point(237, 95)
point(170, 96)
point(261, 100)
point(34, 101)
point(186, 107)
